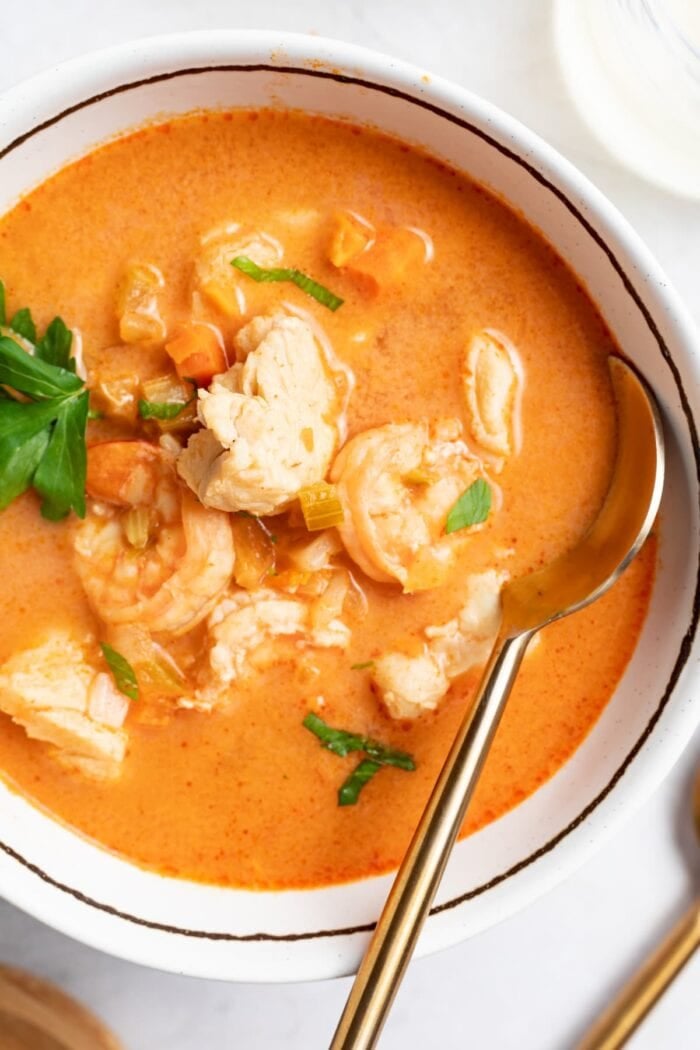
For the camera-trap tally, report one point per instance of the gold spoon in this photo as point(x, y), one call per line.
point(528, 603)
point(636, 999)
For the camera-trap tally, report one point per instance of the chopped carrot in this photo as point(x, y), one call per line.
point(349, 238)
point(123, 472)
point(197, 354)
point(394, 253)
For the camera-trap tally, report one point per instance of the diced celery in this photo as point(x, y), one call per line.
point(320, 506)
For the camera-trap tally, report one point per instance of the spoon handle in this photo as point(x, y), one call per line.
point(636, 999)
point(418, 878)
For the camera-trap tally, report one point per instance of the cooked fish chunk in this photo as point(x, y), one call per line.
point(57, 697)
point(397, 484)
point(411, 684)
point(492, 385)
point(270, 423)
point(246, 626)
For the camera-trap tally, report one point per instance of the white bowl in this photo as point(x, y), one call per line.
point(237, 935)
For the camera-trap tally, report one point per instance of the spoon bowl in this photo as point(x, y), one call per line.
point(585, 572)
point(569, 583)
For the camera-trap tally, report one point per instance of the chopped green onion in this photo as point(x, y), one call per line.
point(301, 280)
point(342, 743)
point(362, 667)
point(162, 409)
point(349, 791)
point(471, 508)
point(122, 671)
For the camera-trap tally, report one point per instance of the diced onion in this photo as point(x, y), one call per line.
point(137, 526)
point(255, 552)
point(137, 304)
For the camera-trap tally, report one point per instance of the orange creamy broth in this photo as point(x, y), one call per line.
point(249, 797)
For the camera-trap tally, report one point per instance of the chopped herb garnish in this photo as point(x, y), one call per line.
point(42, 435)
point(55, 345)
point(32, 376)
point(301, 280)
point(350, 789)
point(362, 667)
point(60, 476)
point(342, 743)
point(471, 508)
point(122, 671)
point(3, 311)
point(23, 324)
point(162, 409)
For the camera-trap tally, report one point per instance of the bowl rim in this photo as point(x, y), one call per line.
point(327, 59)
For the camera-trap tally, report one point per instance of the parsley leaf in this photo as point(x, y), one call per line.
point(23, 324)
point(343, 743)
point(122, 671)
point(55, 345)
point(301, 280)
point(60, 477)
point(471, 508)
point(32, 376)
point(24, 437)
point(42, 434)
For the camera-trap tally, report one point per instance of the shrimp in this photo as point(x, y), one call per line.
point(397, 484)
point(148, 552)
point(411, 684)
point(246, 627)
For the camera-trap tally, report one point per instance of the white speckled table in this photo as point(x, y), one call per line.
point(534, 982)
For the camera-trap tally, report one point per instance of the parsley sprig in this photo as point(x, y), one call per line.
point(43, 416)
point(342, 743)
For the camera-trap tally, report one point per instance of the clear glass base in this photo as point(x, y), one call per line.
point(633, 69)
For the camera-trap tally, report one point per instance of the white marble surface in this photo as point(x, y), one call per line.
point(534, 982)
